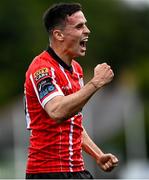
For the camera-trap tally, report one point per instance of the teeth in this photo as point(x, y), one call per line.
point(83, 42)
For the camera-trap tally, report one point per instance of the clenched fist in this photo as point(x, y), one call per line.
point(103, 74)
point(107, 162)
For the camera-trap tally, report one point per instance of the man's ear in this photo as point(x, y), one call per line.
point(58, 35)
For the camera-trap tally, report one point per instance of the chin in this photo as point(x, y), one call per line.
point(82, 54)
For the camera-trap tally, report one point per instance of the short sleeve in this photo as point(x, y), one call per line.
point(45, 84)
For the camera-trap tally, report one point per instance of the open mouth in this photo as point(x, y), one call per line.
point(83, 43)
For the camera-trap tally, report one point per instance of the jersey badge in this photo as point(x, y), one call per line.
point(41, 73)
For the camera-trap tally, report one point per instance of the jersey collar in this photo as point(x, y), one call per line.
point(58, 59)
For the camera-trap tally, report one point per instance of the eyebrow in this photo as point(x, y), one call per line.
point(81, 23)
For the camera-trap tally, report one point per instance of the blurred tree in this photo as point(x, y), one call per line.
point(119, 36)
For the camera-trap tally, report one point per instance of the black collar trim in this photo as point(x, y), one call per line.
point(58, 59)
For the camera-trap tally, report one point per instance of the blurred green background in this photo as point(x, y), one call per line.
point(119, 36)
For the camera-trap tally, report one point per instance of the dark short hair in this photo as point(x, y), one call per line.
point(56, 14)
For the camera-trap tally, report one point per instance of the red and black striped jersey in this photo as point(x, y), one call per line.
point(54, 147)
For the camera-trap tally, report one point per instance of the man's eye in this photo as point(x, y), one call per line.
point(79, 26)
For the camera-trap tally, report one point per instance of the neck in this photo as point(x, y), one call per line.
point(61, 53)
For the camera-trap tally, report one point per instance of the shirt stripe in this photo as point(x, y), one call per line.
point(51, 96)
point(81, 83)
point(54, 81)
point(27, 116)
point(71, 144)
point(69, 84)
point(34, 86)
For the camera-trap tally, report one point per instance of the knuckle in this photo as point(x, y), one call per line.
point(98, 66)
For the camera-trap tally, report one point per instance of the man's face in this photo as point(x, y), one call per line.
point(75, 35)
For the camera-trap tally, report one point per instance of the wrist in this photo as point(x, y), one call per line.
point(100, 154)
point(94, 85)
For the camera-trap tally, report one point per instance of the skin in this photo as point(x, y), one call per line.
point(66, 44)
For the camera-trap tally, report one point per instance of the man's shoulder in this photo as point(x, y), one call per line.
point(40, 61)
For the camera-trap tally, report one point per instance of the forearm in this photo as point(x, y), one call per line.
point(90, 147)
point(61, 108)
point(105, 161)
point(64, 107)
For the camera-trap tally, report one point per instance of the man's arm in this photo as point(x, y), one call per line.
point(61, 108)
point(105, 161)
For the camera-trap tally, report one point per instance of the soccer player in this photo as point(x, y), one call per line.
point(55, 96)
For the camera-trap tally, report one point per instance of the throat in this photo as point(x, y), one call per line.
point(62, 53)
point(67, 57)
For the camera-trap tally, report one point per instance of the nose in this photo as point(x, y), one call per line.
point(86, 30)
